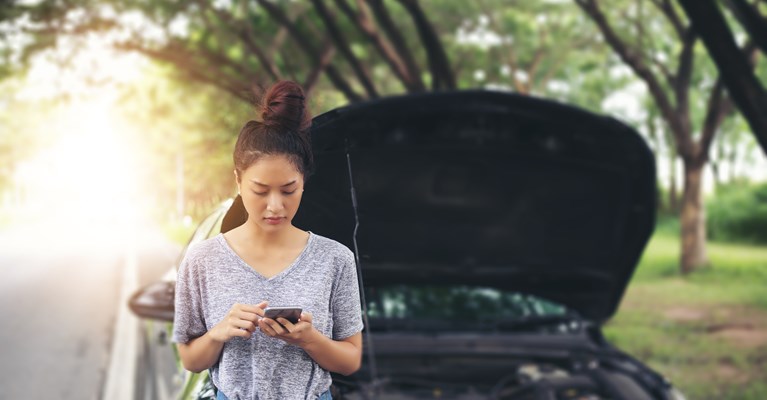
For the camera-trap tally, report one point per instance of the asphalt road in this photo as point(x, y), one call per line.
point(59, 291)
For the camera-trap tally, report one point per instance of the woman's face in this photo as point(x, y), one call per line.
point(271, 191)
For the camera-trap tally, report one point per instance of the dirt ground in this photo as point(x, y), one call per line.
point(744, 328)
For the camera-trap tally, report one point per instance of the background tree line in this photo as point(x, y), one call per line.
point(701, 87)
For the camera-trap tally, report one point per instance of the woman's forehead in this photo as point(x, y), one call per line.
point(272, 170)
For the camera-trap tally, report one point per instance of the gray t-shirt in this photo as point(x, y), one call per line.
point(322, 280)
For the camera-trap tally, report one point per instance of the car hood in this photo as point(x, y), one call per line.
point(486, 188)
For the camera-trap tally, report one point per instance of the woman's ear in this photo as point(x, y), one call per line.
point(237, 181)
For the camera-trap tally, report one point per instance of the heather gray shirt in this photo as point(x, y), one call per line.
point(322, 280)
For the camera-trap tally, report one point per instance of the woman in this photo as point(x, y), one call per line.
point(225, 283)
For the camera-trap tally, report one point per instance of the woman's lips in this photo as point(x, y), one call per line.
point(273, 221)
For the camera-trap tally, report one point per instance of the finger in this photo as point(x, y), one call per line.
point(306, 316)
point(276, 327)
point(249, 326)
point(259, 308)
point(287, 325)
point(244, 333)
point(251, 308)
point(247, 316)
point(266, 328)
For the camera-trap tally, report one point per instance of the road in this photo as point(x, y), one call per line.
point(59, 303)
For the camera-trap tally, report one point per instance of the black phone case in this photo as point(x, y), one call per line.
point(290, 315)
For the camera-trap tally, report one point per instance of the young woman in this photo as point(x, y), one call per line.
point(225, 283)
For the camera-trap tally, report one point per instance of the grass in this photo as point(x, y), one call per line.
point(706, 332)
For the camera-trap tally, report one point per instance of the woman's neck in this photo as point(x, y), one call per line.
point(261, 239)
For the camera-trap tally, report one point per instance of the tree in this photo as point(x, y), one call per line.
point(362, 49)
point(670, 80)
point(735, 67)
point(340, 50)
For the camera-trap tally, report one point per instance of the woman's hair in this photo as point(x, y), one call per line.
point(284, 130)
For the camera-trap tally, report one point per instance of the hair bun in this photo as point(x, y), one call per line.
point(284, 106)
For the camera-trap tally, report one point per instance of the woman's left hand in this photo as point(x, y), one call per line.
point(297, 334)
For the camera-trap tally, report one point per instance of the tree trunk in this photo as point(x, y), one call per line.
point(693, 219)
point(673, 196)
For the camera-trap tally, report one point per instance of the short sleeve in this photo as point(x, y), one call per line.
point(347, 312)
point(188, 319)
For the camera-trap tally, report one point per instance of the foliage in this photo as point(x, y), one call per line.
point(183, 124)
point(359, 49)
point(23, 128)
point(738, 212)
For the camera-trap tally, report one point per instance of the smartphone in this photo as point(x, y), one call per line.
point(291, 314)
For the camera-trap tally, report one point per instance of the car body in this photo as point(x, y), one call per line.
point(495, 234)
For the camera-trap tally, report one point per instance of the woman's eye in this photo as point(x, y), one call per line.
point(264, 193)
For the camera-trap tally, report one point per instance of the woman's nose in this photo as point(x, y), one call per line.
point(274, 203)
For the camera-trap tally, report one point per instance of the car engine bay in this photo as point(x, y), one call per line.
point(563, 379)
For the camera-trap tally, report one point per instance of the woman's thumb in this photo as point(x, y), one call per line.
point(306, 316)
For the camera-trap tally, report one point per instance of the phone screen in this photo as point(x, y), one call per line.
point(291, 314)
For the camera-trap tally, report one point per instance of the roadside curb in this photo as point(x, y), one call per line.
point(121, 372)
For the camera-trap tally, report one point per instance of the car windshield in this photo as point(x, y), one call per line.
point(463, 308)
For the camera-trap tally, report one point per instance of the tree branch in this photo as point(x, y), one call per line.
point(365, 25)
point(716, 110)
point(394, 35)
point(246, 34)
point(344, 48)
point(734, 68)
point(684, 73)
point(670, 78)
point(668, 9)
point(635, 62)
point(754, 23)
point(438, 61)
point(335, 77)
point(327, 55)
point(538, 56)
point(185, 62)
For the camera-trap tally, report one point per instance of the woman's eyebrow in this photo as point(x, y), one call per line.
point(261, 184)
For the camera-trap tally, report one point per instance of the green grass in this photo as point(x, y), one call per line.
point(731, 291)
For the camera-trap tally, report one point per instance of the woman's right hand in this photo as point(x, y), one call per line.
point(240, 321)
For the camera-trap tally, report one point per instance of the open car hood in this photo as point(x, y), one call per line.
point(487, 188)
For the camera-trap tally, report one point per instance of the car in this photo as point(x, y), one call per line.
point(494, 233)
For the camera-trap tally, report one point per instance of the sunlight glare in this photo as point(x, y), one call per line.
point(87, 183)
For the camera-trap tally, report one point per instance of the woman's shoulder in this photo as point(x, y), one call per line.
point(203, 250)
point(329, 246)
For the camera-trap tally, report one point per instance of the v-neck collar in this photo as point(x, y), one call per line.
point(244, 264)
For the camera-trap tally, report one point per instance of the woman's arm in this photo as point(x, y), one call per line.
point(341, 356)
point(202, 352)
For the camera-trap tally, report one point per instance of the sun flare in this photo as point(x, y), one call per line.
point(88, 177)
